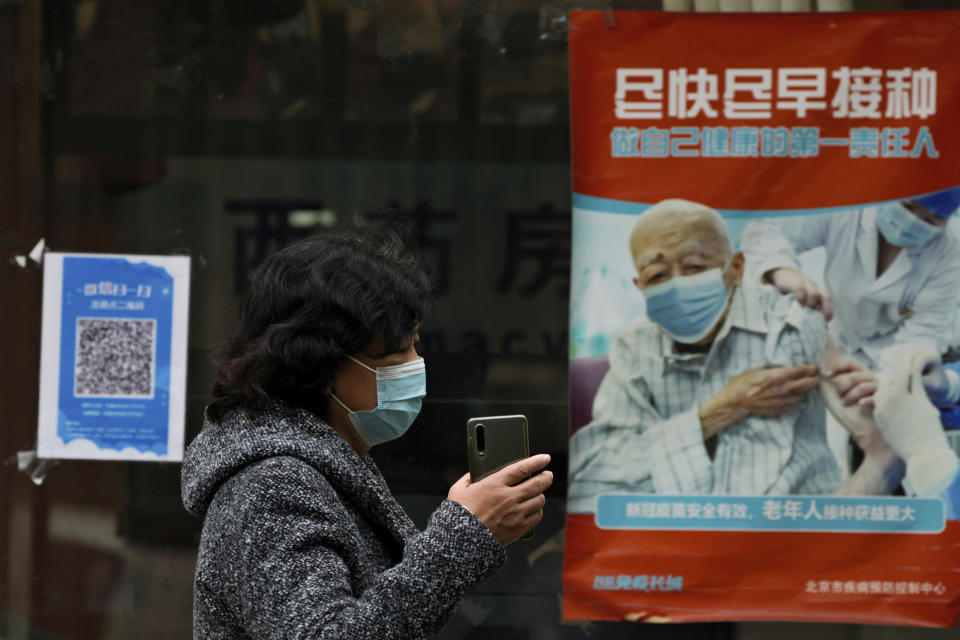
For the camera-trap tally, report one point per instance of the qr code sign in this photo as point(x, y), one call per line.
point(115, 357)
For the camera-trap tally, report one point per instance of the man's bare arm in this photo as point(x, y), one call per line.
point(881, 469)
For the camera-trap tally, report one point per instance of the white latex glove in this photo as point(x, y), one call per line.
point(911, 426)
point(942, 385)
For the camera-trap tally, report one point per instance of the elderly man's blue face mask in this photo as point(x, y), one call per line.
point(902, 228)
point(687, 308)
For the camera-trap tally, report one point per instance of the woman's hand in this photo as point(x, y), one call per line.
point(510, 501)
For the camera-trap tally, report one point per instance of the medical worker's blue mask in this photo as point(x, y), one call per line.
point(400, 392)
point(902, 228)
point(687, 307)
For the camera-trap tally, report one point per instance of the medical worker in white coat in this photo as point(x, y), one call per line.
point(892, 273)
point(891, 280)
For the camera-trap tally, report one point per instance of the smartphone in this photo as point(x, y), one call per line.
point(493, 442)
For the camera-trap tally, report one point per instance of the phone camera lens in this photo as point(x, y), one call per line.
point(481, 441)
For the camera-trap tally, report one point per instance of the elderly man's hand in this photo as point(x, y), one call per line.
point(765, 391)
point(806, 291)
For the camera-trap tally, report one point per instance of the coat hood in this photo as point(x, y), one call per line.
point(240, 439)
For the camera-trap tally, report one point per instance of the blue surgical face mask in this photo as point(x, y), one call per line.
point(687, 308)
point(902, 228)
point(400, 392)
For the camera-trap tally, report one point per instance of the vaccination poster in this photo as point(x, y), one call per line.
point(113, 357)
point(764, 304)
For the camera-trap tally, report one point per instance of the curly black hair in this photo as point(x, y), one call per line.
point(311, 305)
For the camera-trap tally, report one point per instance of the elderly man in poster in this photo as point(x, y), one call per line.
point(715, 389)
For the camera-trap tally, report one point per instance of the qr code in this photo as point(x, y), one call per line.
point(115, 357)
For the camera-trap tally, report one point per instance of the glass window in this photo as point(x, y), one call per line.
point(226, 130)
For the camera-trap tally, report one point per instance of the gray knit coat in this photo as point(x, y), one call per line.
point(303, 539)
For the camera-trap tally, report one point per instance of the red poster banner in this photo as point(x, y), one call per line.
point(725, 43)
point(765, 338)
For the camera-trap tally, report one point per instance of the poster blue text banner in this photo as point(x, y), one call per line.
point(765, 513)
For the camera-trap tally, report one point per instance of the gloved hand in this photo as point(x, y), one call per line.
point(911, 426)
point(942, 385)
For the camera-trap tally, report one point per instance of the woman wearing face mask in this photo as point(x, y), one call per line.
point(301, 536)
point(890, 274)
